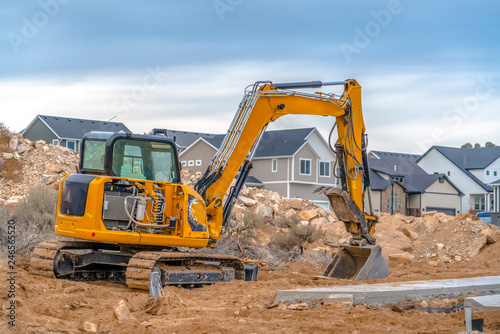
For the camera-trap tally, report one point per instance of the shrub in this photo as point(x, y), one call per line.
point(34, 216)
point(293, 235)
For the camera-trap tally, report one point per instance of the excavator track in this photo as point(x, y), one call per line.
point(54, 259)
point(91, 261)
point(182, 269)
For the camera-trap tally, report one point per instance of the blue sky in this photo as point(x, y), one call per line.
point(430, 71)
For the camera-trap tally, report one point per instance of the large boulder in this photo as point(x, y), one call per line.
point(247, 201)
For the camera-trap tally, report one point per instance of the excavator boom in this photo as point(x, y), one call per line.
point(265, 102)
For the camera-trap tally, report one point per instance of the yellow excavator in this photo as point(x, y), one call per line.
point(130, 208)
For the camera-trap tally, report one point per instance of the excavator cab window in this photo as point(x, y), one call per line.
point(144, 160)
point(93, 154)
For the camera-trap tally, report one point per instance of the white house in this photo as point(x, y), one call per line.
point(471, 170)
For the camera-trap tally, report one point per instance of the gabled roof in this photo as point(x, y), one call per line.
point(215, 141)
point(396, 166)
point(277, 143)
point(416, 180)
point(469, 158)
point(407, 156)
point(185, 139)
point(495, 183)
point(282, 143)
point(75, 128)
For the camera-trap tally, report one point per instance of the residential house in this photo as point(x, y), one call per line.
point(183, 139)
point(496, 195)
point(291, 162)
point(472, 170)
point(399, 185)
point(66, 131)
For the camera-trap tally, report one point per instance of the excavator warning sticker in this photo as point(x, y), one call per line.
point(195, 206)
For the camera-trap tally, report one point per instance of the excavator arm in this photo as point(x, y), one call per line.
point(265, 102)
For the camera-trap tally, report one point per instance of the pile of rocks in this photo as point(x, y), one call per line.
point(25, 164)
point(435, 238)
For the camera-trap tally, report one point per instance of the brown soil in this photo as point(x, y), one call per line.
point(59, 306)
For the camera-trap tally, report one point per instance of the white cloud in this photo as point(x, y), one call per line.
point(401, 111)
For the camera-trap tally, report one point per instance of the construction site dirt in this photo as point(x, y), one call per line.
point(57, 306)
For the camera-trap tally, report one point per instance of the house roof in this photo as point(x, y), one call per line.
point(185, 139)
point(75, 128)
point(277, 143)
point(495, 183)
point(416, 180)
point(407, 156)
point(396, 166)
point(215, 141)
point(252, 181)
point(282, 142)
point(469, 158)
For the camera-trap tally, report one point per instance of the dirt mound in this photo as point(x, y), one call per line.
point(25, 164)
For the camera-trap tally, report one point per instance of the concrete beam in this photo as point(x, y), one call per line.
point(392, 293)
point(484, 303)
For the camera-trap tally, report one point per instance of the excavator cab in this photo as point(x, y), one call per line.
point(139, 157)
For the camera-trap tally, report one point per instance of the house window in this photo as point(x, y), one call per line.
point(198, 162)
point(190, 163)
point(448, 173)
point(324, 168)
point(487, 172)
point(55, 142)
point(184, 163)
point(274, 165)
point(397, 178)
point(479, 203)
point(395, 201)
point(495, 173)
point(305, 167)
point(71, 144)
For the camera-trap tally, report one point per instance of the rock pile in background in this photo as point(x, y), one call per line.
point(25, 164)
point(435, 238)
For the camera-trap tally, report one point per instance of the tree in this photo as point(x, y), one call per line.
point(466, 145)
point(477, 145)
point(489, 144)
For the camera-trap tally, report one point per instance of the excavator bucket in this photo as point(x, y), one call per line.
point(356, 262)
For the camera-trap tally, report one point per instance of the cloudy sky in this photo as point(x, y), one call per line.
point(430, 70)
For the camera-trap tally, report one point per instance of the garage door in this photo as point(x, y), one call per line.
point(448, 211)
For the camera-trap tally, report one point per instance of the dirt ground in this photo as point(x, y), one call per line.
point(57, 306)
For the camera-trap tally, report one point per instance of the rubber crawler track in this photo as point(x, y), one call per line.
point(44, 254)
point(139, 267)
point(141, 264)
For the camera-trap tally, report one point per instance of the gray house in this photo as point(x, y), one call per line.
point(66, 131)
point(291, 162)
point(400, 185)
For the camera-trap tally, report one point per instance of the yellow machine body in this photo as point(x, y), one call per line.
point(133, 205)
point(90, 226)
